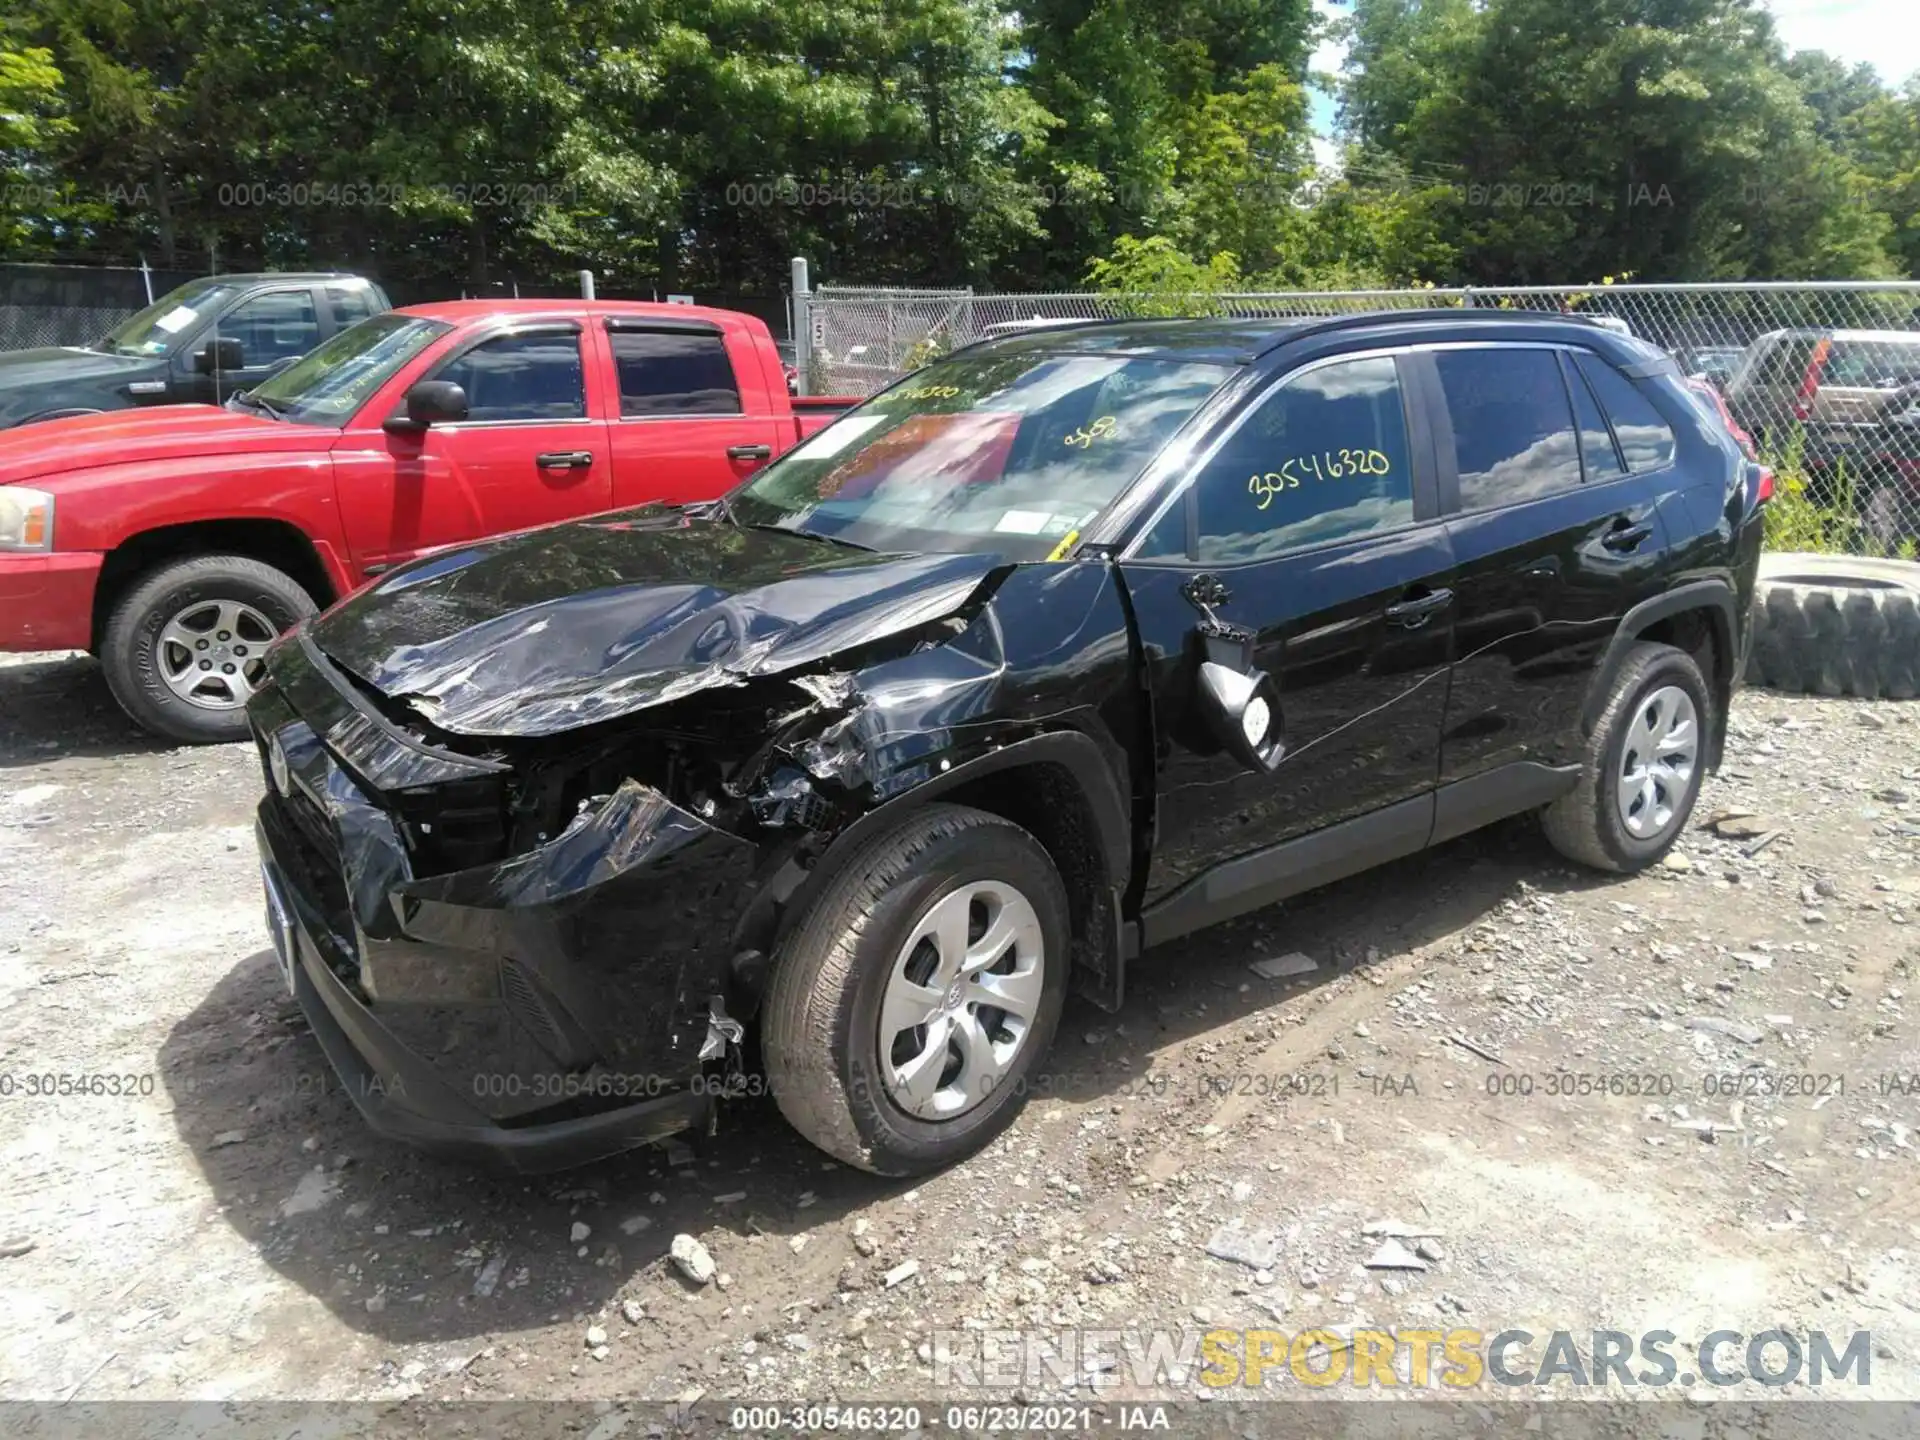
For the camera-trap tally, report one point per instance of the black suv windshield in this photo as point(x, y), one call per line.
point(159, 327)
point(328, 385)
point(1013, 453)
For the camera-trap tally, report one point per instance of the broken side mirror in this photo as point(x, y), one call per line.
point(1241, 703)
point(1238, 701)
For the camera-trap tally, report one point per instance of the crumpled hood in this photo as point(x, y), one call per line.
point(70, 447)
point(553, 629)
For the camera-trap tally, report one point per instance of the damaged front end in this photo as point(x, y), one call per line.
point(539, 943)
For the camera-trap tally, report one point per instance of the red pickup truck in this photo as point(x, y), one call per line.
point(175, 543)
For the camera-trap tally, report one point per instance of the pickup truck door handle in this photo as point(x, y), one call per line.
point(1412, 614)
point(1627, 535)
point(564, 459)
point(749, 452)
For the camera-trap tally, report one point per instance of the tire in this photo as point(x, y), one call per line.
point(137, 659)
point(845, 958)
point(1837, 625)
point(1588, 824)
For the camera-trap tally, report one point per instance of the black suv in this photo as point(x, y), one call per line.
point(1070, 643)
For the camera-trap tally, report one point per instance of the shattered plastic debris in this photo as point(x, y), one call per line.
point(722, 1031)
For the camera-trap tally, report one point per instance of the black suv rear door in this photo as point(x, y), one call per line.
point(1313, 523)
point(1554, 519)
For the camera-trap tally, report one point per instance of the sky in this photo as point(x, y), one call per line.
point(1883, 33)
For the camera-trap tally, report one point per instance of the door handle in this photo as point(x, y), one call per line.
point(749, 452)
point(564, 459)
point(1412, 614)
point(1627, 535)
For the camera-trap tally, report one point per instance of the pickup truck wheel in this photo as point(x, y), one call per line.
point(1644, 764)
point(185, 647)
point(911, 1003)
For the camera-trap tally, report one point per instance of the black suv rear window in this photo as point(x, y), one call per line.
point(1646, 440)
point(1513, 434)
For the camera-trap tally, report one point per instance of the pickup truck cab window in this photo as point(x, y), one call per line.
point(271, 328)
point(333, 381)
point(536, 376)
point(352, 304)
point(1011, 453)
point(667, 372)
point(1513, 435)
point(1324, 457)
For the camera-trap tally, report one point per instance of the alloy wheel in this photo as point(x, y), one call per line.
point(210, 654)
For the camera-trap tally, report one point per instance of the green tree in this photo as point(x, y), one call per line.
point(32, 120)
point(1590, 136)
point(1183, 118)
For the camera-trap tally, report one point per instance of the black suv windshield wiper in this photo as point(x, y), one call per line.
point(812, 535)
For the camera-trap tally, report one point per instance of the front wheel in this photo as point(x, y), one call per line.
point(910, 1005)
point(187, 645)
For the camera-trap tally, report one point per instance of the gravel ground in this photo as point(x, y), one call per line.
point(225, 1227)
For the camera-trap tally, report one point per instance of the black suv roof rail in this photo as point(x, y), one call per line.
point(1433, 314)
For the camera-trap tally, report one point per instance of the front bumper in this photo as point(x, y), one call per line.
point(543, 1012)
point(46, 601)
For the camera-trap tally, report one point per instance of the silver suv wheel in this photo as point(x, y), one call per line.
point(961, 999)
point(1657, 762)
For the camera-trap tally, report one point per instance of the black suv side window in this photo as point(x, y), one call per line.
point(1513, 436)
point(1322, 458)
point(1596, 441)
point(521, 377)
point(1646, 440)
point(663, 373)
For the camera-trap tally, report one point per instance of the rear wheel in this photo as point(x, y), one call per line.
point(910, 1005)
point(186, 646)
point(1645, 761)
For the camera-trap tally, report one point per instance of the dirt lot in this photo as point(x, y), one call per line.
point(226, 1228)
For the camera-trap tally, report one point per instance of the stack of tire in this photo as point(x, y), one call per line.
point(1837, 625)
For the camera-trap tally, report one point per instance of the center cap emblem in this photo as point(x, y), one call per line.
point(955, 994)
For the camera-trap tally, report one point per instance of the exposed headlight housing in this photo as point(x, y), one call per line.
point(26, 519)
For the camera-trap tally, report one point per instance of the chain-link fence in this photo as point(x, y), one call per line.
point(74, 304)
point(1824, 376)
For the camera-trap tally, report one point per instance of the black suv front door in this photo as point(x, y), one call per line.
point(1313, 524)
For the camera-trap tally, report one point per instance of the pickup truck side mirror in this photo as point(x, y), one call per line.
point(431, 402)
point(223, 352)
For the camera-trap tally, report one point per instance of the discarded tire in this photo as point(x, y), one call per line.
point(1837, 625)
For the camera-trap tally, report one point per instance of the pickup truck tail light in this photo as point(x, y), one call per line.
point(1810, 381)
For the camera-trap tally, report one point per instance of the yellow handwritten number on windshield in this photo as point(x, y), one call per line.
point(1099, 429)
